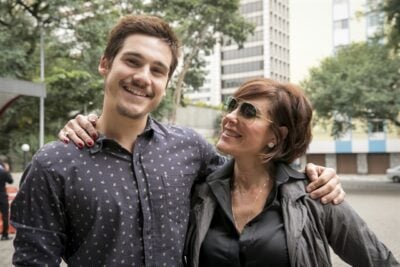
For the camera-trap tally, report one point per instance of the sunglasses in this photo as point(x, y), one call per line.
point(246, 110)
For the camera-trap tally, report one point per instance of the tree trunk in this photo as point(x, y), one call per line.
point(181, 76)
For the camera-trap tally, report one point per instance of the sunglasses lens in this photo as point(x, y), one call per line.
point(248, 111)
point(232, 105)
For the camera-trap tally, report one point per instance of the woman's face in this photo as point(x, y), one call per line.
point(245, 133)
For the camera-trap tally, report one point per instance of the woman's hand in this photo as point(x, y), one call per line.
point(325, 184)
point(80, 130)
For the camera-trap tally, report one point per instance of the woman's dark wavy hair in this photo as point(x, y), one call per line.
point(287, 106)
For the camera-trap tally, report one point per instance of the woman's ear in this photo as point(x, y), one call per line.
point(284, 131)
point(103, 66)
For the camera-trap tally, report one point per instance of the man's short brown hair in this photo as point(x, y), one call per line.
point(142, 24)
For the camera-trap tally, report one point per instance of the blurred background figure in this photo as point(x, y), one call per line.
point(5, 177)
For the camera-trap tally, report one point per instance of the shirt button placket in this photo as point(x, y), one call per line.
point(144, 205)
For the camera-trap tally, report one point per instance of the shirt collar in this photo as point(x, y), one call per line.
point(151, 127)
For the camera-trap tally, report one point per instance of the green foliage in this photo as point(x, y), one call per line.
point(360, 81)
point(165, 107)
point(200, 24)
point(73, 45)
point(392, 11)
point(75, 33)
point(195, 76)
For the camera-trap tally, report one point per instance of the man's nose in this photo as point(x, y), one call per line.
point(142, 76)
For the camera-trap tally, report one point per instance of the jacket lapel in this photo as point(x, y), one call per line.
point(294, 213)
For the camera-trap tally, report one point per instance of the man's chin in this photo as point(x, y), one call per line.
point(131, 114)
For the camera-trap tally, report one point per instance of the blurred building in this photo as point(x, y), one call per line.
point(286, 52)
point(318, 28)
point(210, 92)
point(264, 54)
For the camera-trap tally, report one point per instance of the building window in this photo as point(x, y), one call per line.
point(257, 21)
point(341, 24)
point(257, 36)
point(243, 67)
point(373, 20)
point(242, 53)
point(251, 7)
point(339, 2)
point(376, 129)
point(377, 126)
point(232, 83)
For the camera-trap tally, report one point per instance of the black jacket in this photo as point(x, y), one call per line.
point(310, 227)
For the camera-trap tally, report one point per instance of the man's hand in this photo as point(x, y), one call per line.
point(80, 130)
point(324, 184)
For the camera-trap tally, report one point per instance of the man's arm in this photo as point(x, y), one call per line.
point(324, 184)
point(37, 214)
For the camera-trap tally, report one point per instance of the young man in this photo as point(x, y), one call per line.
point(124, 201)
point(5, 177)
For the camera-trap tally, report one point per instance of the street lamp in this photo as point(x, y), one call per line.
point(25, 148)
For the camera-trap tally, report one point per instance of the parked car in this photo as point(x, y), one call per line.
point(394, 173)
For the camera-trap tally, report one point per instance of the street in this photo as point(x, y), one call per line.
point(376, 201)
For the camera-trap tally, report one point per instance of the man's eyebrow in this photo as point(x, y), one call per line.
point(159, 63)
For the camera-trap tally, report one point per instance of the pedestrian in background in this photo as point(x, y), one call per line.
point(5, 177)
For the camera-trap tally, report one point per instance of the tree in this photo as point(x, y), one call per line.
point(360, 81)
point(200, 25)
point(391, 9)
point(75, 32)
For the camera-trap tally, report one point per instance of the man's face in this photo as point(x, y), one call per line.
point(135, 82)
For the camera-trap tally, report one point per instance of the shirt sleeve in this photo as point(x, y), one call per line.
point(211, 159)
point(352, 240)
point(38, 215)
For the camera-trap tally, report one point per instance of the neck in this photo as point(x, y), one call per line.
point(122, 129)
point(251, 173)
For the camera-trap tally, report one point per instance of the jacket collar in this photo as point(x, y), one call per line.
point(293, 181)
point(225, 171)
point(284, 175)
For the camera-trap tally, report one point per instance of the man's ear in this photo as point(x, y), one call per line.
point(284, 131)
point(103, 66)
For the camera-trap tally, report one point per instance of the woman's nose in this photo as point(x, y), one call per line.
point(233, 115)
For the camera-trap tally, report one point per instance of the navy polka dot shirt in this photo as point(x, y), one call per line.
point(105, 206)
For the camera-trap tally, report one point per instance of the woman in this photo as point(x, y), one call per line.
point(255, 211)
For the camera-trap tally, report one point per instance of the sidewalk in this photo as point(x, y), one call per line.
point(364, 177)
